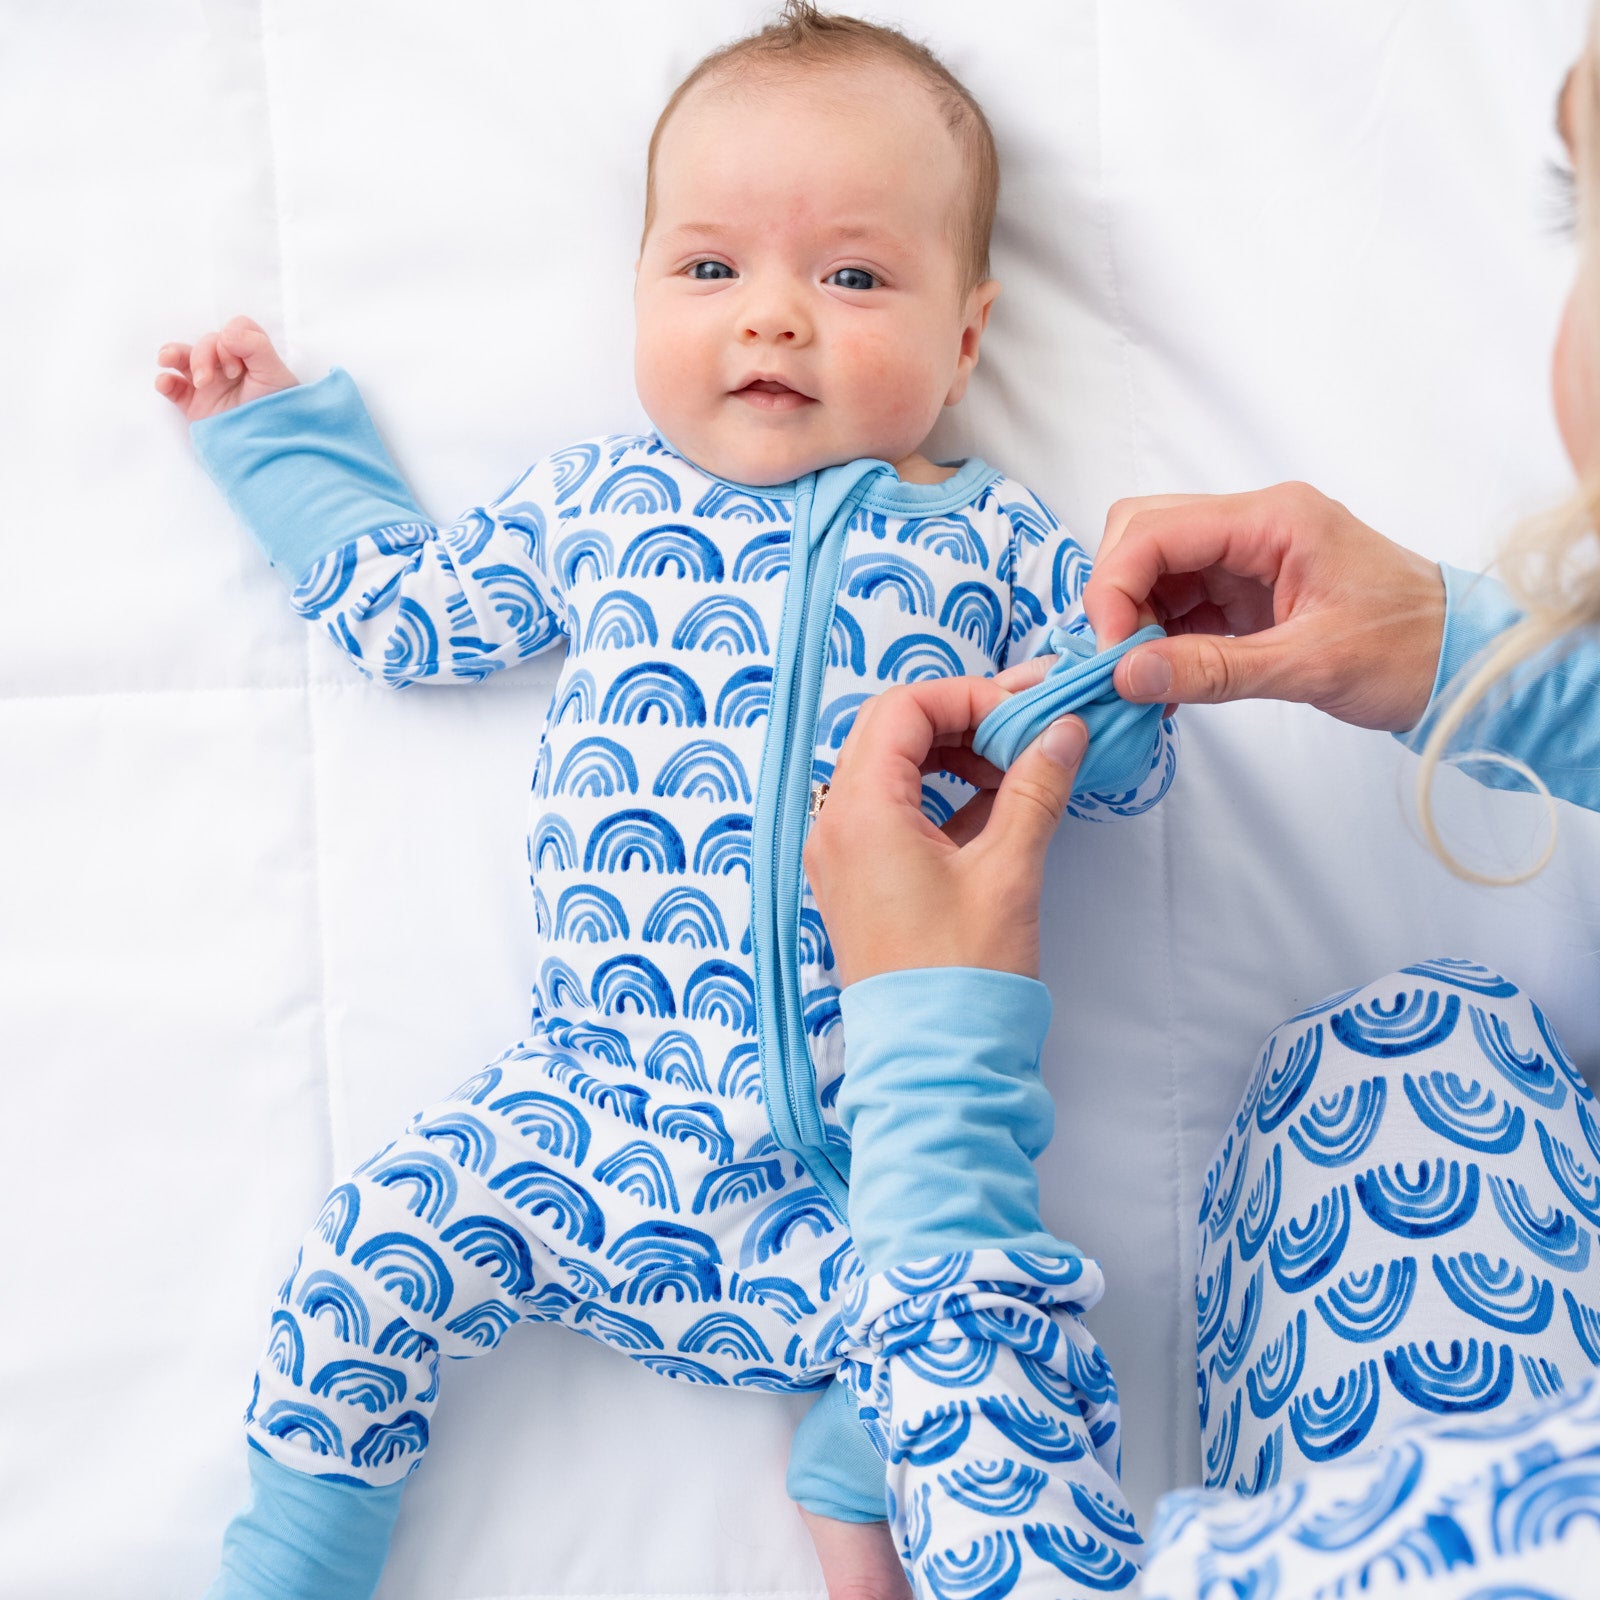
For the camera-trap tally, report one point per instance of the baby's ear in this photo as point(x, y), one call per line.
point(980, 301)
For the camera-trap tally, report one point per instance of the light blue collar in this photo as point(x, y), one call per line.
point(888, 491)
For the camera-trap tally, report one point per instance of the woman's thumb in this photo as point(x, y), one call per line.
point(1196, 669)
point(1032, 797)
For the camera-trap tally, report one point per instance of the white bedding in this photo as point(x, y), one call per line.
point(243, 932)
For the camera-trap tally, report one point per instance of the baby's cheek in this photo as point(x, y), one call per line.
point(658, 349)
point(896, 378)
point(669, 370)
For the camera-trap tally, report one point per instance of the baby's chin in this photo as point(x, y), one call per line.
point(761, 462)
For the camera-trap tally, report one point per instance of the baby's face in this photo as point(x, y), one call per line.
point(799, 298)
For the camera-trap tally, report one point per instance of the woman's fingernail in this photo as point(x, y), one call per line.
point(1065, 740)
point(1149, 675)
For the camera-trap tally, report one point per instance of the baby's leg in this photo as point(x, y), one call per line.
point(836, 1478)
point(553, 1185)
point(1398, 1227)
point(431, 1249)
point(858, 1559)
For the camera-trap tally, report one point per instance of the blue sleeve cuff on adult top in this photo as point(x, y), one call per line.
point(945, 1112)
point(834, 1469)
point(1546, 713)
point(304, 470)
point(305, 1536)
point(1476, 610)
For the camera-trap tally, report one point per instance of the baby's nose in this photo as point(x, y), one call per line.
point(779, 321)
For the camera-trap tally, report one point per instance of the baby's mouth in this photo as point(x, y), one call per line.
point(772, 394)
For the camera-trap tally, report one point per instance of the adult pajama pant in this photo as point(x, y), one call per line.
point(1399, 1317)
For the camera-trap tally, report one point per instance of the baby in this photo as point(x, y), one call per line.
point(659, 1163)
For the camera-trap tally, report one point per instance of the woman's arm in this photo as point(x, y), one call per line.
point(1282, 594)
point(1279, 594)
point(995, 1410)
point(1546, 714)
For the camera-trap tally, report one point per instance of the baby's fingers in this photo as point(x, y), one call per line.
point(175, 356)
point(175, 387)
point(202, 360)
point(241, 344)
point(173, 380)
point(205, 362)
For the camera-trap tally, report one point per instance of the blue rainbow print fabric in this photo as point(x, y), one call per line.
point(1398, 1334)
point(1397, 1312)
point(617, 1169)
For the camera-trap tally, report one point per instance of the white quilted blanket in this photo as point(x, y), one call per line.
point(253, 910)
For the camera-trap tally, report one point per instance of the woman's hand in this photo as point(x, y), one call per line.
point(895, 891)
point(222, 370)
point(1279, 594)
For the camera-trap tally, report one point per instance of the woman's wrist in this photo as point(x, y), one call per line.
point(1417, 645)
point(1477, 611)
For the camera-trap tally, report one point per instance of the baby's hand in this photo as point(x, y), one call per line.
point(222, 370)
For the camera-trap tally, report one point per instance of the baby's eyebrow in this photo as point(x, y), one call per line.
point(698, 230)
point(849, 232)
point(1562, 128)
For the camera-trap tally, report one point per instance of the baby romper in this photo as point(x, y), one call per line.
point(659, 1163)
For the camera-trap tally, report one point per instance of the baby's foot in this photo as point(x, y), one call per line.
point(858, 1559)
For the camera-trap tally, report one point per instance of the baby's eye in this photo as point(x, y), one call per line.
point(852, 278)
point(710, 271)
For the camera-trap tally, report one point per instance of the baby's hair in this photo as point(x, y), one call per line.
point(803, 36)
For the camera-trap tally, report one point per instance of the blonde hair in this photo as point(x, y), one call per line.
point(803, 36)
point(1549, 564)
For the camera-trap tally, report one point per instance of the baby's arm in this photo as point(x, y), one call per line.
point(1049, 570)
point(303, 467)
point(994, 1406)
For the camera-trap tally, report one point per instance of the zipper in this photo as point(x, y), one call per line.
point(785, 801)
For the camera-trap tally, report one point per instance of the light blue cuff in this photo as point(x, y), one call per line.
point(305, 471)
point(945, 1112)
point(306, 1537)
point(1477, 610)
point(1122, 735)
point(1546, 712)
point(834, 1470)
